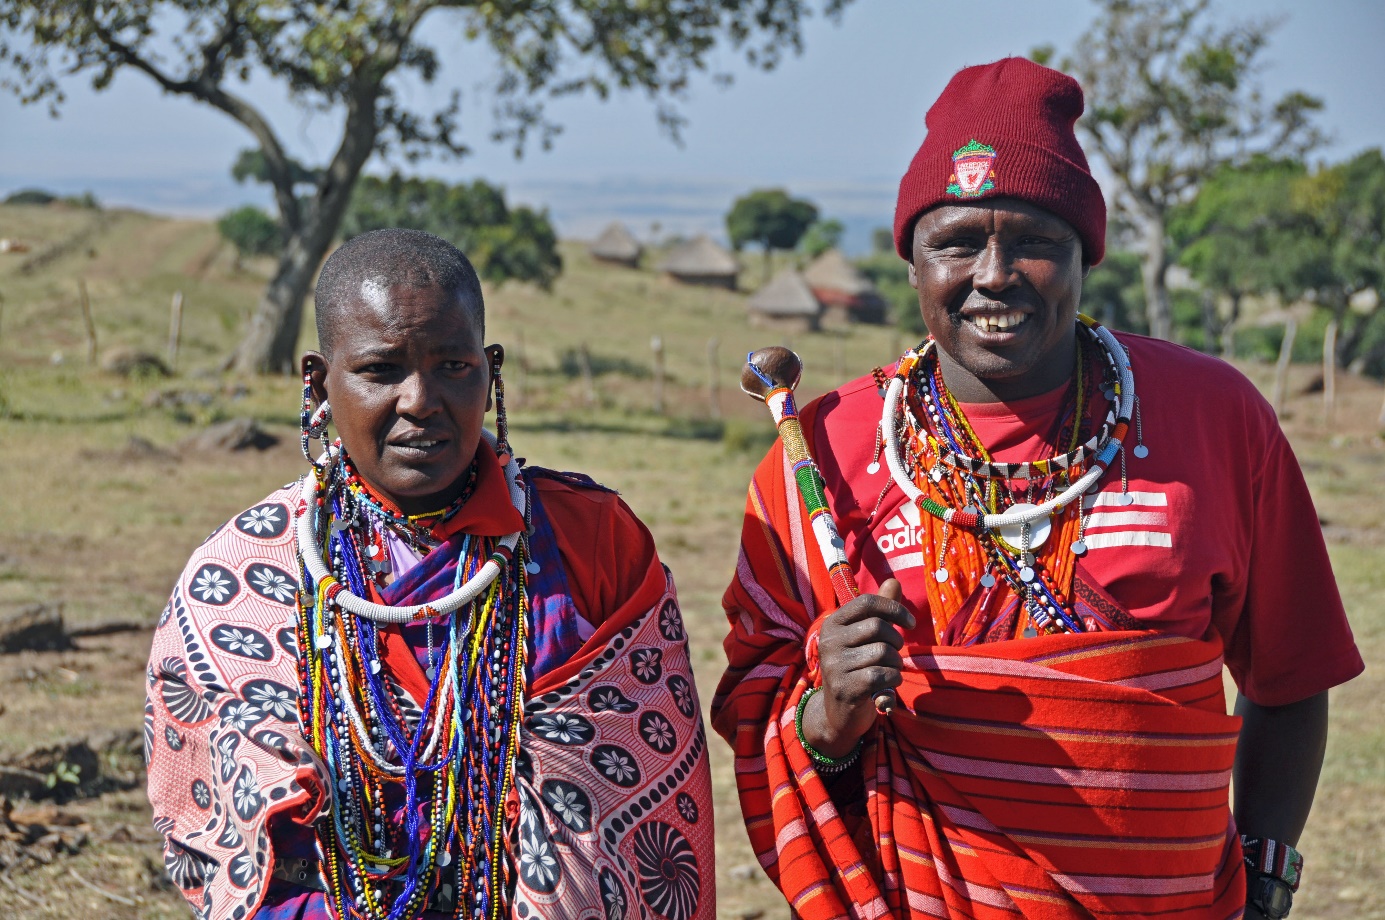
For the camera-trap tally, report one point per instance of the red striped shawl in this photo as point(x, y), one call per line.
point(1059, 777)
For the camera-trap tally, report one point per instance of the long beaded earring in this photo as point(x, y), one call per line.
point(313, 422)
point(502, 426)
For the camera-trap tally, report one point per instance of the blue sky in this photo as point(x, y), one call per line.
point(837, 124)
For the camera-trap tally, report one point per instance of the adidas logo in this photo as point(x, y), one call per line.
point(903, 530)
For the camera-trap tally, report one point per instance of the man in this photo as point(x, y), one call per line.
point(420, 681)
point(1062, 535)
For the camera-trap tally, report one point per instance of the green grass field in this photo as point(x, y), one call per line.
point(101, 506)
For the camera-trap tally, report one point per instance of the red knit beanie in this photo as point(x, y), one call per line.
point(1004, 130)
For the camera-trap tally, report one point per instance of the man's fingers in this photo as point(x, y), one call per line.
point(867, 656)
point(874, 605)
point(864, 632)
point(891, 590)
point(868, 683)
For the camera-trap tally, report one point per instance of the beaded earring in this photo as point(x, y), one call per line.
point(502, 427)
point(313, 422)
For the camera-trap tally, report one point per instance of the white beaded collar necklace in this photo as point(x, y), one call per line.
point(312, 549)
point(1019, 515)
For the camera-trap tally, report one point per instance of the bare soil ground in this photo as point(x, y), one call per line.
point(101, 505)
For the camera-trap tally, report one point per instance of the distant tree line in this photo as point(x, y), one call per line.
point(38, 196)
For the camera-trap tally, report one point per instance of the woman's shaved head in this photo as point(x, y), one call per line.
point(366, 266)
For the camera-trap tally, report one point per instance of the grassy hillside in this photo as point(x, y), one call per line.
point(101, 505)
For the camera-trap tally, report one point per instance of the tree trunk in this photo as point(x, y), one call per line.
point(1154, 262)
point(271, 340)
point(1349, 347)
point(270, 343)
point(1228, 331)
point(767, 263)
point(1281, 368)
point(1329, 371)
point(1211, 323)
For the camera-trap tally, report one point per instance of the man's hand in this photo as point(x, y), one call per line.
point(858, 647)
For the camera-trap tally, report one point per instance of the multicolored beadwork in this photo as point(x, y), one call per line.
point(1009, 509)
point(419, 798)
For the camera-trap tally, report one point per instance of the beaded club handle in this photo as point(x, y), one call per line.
point(771, 375)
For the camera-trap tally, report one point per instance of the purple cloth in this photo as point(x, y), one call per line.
point(553, 639)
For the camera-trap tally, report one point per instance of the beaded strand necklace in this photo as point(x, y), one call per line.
point(938, 460)
point(412, 789)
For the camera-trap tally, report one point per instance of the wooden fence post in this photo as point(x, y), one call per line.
point(656, 344)
point(1329, 370)
point(713, 380)
point(1281, 369)
point(87, 320)
point(175, 330)
point(584, 357)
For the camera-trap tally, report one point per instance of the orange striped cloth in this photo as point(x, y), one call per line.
point(1067, 776)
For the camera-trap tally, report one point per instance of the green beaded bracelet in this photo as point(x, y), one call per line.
point(824, 763)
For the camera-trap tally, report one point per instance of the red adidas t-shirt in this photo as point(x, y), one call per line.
point(1221, 536)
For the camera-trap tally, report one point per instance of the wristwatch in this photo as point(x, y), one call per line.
point(1272, 896)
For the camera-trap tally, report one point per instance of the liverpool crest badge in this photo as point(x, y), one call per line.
point(973, 171)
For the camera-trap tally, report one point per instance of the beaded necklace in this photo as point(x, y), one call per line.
point(374, 516)
point(418, 797)
point(980, 536)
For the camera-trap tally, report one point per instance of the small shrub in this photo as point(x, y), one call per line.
point(31, 196)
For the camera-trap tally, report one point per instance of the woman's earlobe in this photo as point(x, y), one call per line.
point(314, 369)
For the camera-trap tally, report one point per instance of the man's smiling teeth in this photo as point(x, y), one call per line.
point(422, 445)
point(999, 322)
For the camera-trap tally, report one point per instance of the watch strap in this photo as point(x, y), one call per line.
point(1273, 858)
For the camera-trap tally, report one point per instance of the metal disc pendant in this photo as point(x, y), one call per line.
point(1029, 632)
point(444, 858)
point(1140, 451)
point(873, 467)
point(1126, 498)
point(1079, 547)
point(323, 641)
point(375, 666)
point(532, 568)
point(940, 576)
point(1026, 574)
point(432, 672)
point(988, 580)
point(1038, 530)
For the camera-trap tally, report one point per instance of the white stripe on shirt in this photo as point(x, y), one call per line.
point(1105, 499)
point(1127, 538)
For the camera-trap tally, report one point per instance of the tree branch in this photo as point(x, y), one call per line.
point(207, 88)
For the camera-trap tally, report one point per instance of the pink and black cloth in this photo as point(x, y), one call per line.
point(613, 792)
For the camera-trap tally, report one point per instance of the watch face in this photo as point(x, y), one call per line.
point(1274, 898)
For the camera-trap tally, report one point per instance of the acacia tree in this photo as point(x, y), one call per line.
point(771, 218)
point(1241, 234)
point(504, 243)
point(351, 57)
point(1171, 98)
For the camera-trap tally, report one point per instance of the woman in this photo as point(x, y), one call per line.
point(423, 681)
point(1064, 533)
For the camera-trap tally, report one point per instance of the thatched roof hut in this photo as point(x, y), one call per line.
point(787, 302)
point(617, 246)
point(702, 261)
point(847, 295)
